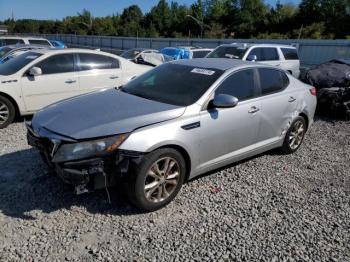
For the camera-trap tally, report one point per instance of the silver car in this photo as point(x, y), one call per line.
point(171, 124)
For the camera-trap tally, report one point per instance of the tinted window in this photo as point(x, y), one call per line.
point(265, 53)
point(272, 80)
point(94, 61)
point(200, 54)
point(15, 64)
point(240, 85)
point(131, 54)
point(174, 84)
point(228, 52)
point(5, 41)
point(290, 54)
point(39, 42)
point(57, 64)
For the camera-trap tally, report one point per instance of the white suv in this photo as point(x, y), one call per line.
point(283, 56)
point(13, 40)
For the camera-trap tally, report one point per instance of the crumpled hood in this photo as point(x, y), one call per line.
point(101, 114)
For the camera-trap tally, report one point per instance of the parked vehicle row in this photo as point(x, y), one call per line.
point(19, 40)
point(172, 123)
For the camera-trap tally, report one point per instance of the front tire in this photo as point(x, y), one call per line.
point(294, 136)
point(7, 112)
point(157, 180)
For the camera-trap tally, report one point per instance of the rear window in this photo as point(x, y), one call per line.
point(290, 53)
point(38, 42)
point(272, 80)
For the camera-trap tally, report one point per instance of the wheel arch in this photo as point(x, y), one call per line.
point(183, 152)
point(306, 118)
point(13, 101)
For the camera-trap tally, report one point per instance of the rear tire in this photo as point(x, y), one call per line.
point(7, 112)
point(294, 136)
point(157, 180)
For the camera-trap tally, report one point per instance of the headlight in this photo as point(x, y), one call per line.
point(94, 148)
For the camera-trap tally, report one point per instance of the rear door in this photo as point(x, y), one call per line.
point(225, 131)
point(98, 72)
point(278, 103)
point(57, 82)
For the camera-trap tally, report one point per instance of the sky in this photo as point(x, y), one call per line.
point(58, 9)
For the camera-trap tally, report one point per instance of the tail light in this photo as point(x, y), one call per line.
point(313, 91)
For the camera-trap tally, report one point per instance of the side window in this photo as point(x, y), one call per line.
point(94, 61)
point(265, 53)
point(258, 52)
point(240, 85)
point(38, 42)
point(272, 80)
point(63, 63)
point(13, 41)
point(270, 54)
point(290, 53)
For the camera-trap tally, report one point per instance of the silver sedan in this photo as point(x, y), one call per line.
point(173, 123)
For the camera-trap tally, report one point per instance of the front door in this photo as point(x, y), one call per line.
point(58, 81)
point(227, 131)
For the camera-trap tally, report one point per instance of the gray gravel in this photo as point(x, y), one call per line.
point(270, 208)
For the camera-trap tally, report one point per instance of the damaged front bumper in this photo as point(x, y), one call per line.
point(86, 174)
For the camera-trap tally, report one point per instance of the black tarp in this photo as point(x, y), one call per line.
point(332, 81)
point(333, 73)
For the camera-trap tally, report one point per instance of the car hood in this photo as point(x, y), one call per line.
point(101, 114)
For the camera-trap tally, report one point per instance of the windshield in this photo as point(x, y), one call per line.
point(4, 51)
point(130, 54)
point(233, 52)
point(17, 63)
point(174, 84)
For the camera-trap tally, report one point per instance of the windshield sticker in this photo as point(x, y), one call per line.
point(31, 57)
point(203, 71)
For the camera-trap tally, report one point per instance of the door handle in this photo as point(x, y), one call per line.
point(113, 77)
point(253, 110)
point(71, 81)
point(292, 99)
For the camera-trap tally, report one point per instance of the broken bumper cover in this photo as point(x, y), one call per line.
point(93, 173)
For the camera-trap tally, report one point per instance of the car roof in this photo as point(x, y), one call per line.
point(19, 46)
point(214, 63)
point(257, 44)
point(70, 50)
point(22, 37)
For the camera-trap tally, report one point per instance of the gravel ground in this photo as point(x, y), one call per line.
point(270, 208)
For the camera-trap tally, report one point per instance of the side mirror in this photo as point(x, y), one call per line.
point(224, 101)
point(252, 58)
point(35, 71)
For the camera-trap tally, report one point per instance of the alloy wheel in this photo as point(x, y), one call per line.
point(162, 179)
point(296, 135)
point(4, 113)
